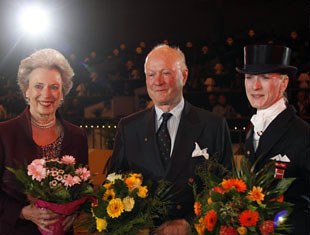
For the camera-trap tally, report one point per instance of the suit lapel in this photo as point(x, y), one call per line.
point(273, 133)
point(149, 141)
point(188, 131)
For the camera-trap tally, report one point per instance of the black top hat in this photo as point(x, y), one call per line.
point(260, 59)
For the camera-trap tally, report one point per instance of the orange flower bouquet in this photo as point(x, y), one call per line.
point(59, 185)
point(241, 202)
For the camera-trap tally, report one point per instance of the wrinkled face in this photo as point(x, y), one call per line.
point(264, 90)
point(165, 78)
point(44, 91)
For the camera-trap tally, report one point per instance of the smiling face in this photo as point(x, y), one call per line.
point(165, 77)
point(264, 90)
point(44, 93)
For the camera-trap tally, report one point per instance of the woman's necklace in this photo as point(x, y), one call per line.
point(43, 126)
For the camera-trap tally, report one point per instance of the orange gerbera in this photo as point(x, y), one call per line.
point(248, 218)
point(210, 220)
point(238, 184)
point(218, 189)
point(197, 208)
point(256, 194)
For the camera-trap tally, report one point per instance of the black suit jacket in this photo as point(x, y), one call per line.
point(288, 135)
point(17, 146)
point(136, 149)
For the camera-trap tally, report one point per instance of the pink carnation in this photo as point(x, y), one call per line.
point(70, 180)
point(38, 162)
point(69, 160)
point(38, 172)
point(83, 172)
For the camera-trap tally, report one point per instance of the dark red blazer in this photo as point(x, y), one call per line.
point(17, 146)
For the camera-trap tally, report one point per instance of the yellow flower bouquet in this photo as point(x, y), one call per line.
point(121, 205)
point(242, 202)
point(128, 204)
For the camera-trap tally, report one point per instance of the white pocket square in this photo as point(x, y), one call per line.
point(281, 158)
point(200, 152)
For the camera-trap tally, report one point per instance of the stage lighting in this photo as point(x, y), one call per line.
point(34, 20)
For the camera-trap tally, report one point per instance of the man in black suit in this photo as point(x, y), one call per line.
point(278, 133)
point(137, 144)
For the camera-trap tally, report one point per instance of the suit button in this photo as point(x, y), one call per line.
point(248, 153)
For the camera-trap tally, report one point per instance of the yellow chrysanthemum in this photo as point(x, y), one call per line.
point(108, 194)
point(242, 230)
point(200, 228)
point(133, 182)
point(256, 194)
point(129, 203)
point(142, 193)
point(115, 208)
point(101, 224)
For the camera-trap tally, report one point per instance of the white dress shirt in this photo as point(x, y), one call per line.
point(264, 117)
point(173, 122)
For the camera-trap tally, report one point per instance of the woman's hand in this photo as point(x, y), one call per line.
point(40, 216)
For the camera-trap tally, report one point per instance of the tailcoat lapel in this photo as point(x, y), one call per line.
point(273, 134)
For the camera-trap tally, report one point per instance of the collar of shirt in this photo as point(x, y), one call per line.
point(176, 112)
point(264, 117)
point(173, 122)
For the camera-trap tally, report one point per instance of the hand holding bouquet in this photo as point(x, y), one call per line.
point(56, 184)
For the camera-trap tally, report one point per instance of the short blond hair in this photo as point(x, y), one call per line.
point(45, 58)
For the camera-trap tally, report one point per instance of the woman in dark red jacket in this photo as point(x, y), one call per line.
point(44, 78)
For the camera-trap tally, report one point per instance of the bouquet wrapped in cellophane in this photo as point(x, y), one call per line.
point(57, 184)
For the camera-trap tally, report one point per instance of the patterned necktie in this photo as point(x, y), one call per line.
point(163, 139)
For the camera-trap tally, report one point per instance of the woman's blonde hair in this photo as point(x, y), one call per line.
point(45, 58)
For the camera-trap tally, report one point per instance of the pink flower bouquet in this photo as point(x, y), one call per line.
point(56, 184)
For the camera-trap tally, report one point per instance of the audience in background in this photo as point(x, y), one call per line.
point(121, 70)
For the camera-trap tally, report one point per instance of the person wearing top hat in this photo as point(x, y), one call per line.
point(278, 133)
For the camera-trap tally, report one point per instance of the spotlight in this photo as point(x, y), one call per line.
point(34, 20)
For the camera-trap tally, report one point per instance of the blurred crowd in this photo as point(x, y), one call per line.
point(112, 84)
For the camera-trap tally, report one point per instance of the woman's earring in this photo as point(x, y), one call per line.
point(61, 102)
point(27, 100)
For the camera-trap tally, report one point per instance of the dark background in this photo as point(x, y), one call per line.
point(84, 25)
